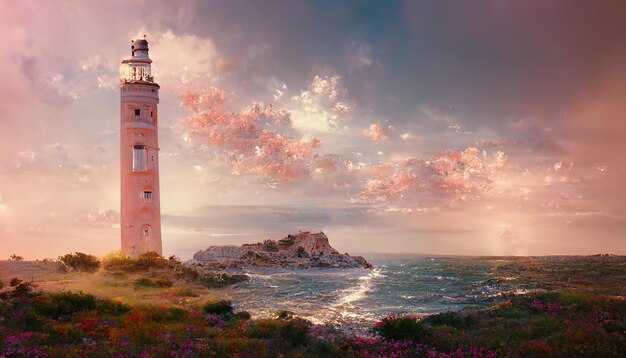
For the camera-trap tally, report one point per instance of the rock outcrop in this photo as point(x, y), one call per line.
point(303, 250)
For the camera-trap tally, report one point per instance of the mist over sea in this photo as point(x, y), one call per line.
point(356, 298)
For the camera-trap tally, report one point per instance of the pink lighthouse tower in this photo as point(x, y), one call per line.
point(139, 151)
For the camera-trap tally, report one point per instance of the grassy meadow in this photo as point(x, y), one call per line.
point(157, 307)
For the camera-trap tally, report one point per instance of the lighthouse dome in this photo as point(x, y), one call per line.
point(140, 48)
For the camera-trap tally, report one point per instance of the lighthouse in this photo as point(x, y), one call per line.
point(140, 218)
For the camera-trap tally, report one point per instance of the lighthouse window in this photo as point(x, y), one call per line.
point(146, 232)
point(137, 112)
point(140, 158)
point(147, 196)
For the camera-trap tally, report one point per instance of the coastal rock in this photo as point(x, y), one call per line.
point(303, 250)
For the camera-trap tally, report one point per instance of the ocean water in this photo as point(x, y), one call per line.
point(355, 299)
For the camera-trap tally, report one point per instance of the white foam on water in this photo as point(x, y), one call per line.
point(344, 309)
point(359, 291)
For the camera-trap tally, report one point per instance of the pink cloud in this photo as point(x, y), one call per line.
point(324, 103)
point(458, 175)
point(260, 140)
point(377, 132)
point(106, 218)
point(256, 140)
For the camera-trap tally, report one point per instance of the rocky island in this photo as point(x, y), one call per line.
point(298, 251)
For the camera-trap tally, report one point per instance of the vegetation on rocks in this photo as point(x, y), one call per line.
point(165, 271)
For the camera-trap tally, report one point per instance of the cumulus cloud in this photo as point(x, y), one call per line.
point(254, 140)
point(106, 218)
point(458, 129)
point(181, 59)
point(323, 104)
point(52, 156)
point(55, 162)
point(458, 175)
point(377, 132)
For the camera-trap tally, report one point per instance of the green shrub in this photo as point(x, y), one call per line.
point(270, 245)
point(66, 303)
point(117, 261)
point(114, 307)
point(15, 257)
point(32, 321)
point(153, 282)
point(243, 315)
point(172, 314)
point(451, 319)
point(81, 262)
point(265, 329)
point(221, 308)
point(186, 292)
point(576, 300)
point(217, 280)
point(162, 314)
point(287, 242)
point(151, 259)
point(184, 272)
point(510, 313)
point(21, 288)
point(284, 314)
point(401, 328)
point(536, 327)
point(295, 332)
point(15, 281)
point(120, 262)
point(5, 308)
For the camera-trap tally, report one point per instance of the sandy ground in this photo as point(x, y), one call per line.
point(47, 277)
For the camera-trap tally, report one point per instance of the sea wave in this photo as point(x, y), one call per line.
point(355, 298)
point(359, 291)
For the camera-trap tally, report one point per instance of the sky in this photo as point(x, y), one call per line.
point(457, 127)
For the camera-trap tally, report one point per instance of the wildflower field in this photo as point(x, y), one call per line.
point(583, 321)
